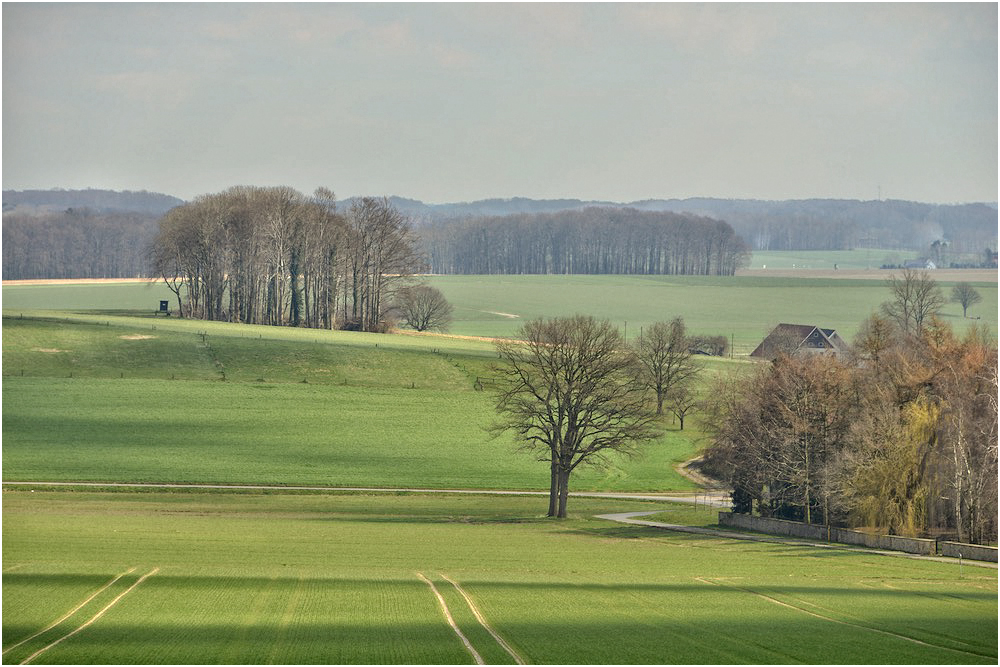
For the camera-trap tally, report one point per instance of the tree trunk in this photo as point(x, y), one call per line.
point(563, 493)
point(553, 487)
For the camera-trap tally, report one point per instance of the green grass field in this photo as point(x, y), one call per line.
point(94, 390)
point(333, 579)
point(860, 258)
point(119, 403)
point(742, 308)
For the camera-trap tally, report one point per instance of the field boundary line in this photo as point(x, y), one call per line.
point(451, 621)
point(94, 619)
point(482, 621)
point(71, 611)
point(836, 620)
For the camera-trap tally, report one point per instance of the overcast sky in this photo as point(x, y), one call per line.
point(457, 102)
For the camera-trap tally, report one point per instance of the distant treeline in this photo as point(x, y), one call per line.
point(595, 240)
point(102, 201)
point(76, 243)
point(101, 234)
point(795, 224)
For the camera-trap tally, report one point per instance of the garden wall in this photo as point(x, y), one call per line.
point(911, 545)
point(973, 551)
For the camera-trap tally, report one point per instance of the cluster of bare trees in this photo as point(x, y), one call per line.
point(270, 255)
point(573, 391)
point(900, 438)
point(593, 240)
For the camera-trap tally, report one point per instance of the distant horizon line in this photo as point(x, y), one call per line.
point(988, 202)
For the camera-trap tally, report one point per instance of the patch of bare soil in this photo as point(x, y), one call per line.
point(135, 337)
point(48, 350)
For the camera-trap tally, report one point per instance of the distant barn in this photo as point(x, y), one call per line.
point(922, 263)
point(792, 339)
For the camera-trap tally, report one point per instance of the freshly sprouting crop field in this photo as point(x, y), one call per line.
point(97, 389)
point(743, 308)
point(117, 402)
point(125, 578)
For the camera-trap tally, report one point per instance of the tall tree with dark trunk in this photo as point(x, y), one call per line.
point(568, 390)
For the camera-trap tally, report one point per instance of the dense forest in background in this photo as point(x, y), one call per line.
point(77, 243)
point(594, 240)
point(101, 234)
point(799, 224)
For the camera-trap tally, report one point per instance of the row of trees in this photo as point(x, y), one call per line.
point(270, 255)
point(593, 240)
point(573, 391)
point(76, 243)
point(900, 438)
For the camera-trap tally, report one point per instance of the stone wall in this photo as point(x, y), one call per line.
point(911, 545)
point(973, 551)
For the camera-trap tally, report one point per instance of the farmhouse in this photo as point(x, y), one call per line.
point(799, 338)
point(922, 263)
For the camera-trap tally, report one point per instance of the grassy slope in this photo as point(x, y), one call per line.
point(98, 403)
point(744, 307)
point(332, 579)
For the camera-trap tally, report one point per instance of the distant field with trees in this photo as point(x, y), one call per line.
point(742, 308)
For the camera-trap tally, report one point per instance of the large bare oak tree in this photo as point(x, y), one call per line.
point(569, 391)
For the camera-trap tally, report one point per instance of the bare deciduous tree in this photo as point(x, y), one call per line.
point(424, 308)
point(682, 401)
point(915, 298)
point(568, 390)
point(966, 295)
point(666, 359)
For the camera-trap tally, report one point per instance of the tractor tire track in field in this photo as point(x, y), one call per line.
point(451, 621)
point(96, 616)
point(482, 621)
point(70, 612)
point(814, 614)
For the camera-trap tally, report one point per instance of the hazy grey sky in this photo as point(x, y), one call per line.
point(456, 102)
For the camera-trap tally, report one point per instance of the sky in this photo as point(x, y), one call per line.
point(449, 102)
